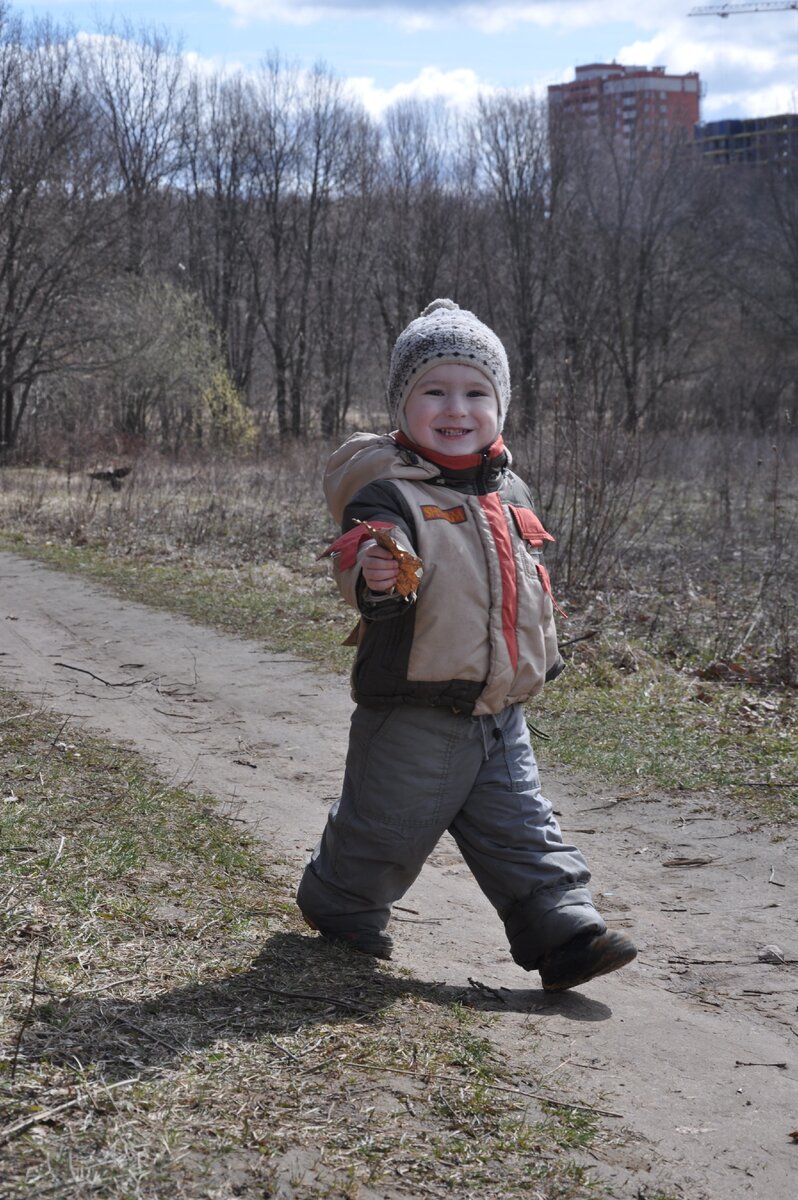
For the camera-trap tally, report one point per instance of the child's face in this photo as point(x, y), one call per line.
point(452, 409)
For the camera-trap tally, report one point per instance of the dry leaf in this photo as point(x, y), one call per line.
point(410, 567)
point(794, 1135)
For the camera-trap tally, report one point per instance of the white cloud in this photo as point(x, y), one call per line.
point(762, 102)
point(682, 54)
point(455, 89)
point(214, 67)
point(748, 75)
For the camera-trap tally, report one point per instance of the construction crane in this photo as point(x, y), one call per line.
point(728, 10)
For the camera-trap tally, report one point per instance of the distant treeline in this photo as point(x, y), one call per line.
point(188, 258)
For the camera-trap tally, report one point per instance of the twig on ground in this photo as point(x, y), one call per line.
point(104, 987)
point(781, 1065)
point(585, 637)
point(318, 999)
point(99, 678)
point(284, 1049)
point(61, 729)
point(487, 991)
point(17, 717)
point(619, 800)
point(173, 1047)
point(495, 1087)
point(687, 862)
point(26, 1019)
point(47, 1114)
point(559, 1067)
point(706, 962)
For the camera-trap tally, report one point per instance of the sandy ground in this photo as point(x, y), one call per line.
point(694, 1046)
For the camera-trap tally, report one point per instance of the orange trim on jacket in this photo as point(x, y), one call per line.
point(492, 507)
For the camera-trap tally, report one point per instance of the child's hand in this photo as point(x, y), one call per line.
point(380, 568)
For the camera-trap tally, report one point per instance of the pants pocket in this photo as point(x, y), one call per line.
point(404, 776)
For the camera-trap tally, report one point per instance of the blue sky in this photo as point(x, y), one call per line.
point(453, 48)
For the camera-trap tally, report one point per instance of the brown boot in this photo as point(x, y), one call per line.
point(583, 958)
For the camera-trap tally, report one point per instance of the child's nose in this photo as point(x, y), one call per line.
point(456, 403)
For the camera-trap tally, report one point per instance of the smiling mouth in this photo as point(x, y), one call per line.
point(453, 433)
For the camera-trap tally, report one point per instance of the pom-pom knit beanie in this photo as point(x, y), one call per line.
point(445, 333)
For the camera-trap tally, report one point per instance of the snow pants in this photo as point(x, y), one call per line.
point(412, 773)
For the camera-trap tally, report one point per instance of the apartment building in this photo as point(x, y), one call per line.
point(754, 141)
point(627, 99)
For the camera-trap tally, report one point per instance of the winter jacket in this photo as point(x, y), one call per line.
point(479, 635)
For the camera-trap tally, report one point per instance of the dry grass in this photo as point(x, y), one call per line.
point(219, 513)
point(686, 679)
point(700, 567)
point(166, 1028)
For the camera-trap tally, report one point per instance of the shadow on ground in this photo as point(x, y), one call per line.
point(295, 981)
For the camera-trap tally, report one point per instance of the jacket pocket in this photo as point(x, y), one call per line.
point(529, 527)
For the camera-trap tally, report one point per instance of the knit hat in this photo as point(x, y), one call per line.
point(445, 333)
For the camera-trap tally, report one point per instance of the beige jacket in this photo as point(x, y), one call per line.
point(480, 635)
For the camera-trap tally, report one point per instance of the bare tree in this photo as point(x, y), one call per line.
point(218, 199)
point(345, 270)
point(636, 271)
point(52, 221)
point(761, 282)
point(270, 235)
point(414, 233)
point(515, 174)
point(324, 126)
point(299, 159)
point(137, 77)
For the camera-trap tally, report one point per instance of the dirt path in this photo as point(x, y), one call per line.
point(673, 1044)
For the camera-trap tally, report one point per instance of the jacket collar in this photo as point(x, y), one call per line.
point(462, 467)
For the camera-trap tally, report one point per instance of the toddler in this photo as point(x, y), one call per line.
point(438, 738)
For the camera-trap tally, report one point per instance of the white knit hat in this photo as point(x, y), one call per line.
point(445, 333)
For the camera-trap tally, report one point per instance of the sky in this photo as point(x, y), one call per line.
point(453, 49)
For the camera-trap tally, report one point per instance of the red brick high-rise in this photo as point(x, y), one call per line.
point(613, 97)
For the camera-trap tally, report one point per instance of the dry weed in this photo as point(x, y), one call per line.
point(166, 1029)
point(700, 566)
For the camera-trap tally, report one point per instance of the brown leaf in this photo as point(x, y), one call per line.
point(410, 567)
point(794, 1135)
point(353, 638)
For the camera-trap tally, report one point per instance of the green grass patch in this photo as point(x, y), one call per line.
point(645, 723)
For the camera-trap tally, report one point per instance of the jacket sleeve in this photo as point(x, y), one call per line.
point(378, 503)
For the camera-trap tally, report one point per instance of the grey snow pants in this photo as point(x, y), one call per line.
point(412, 773)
